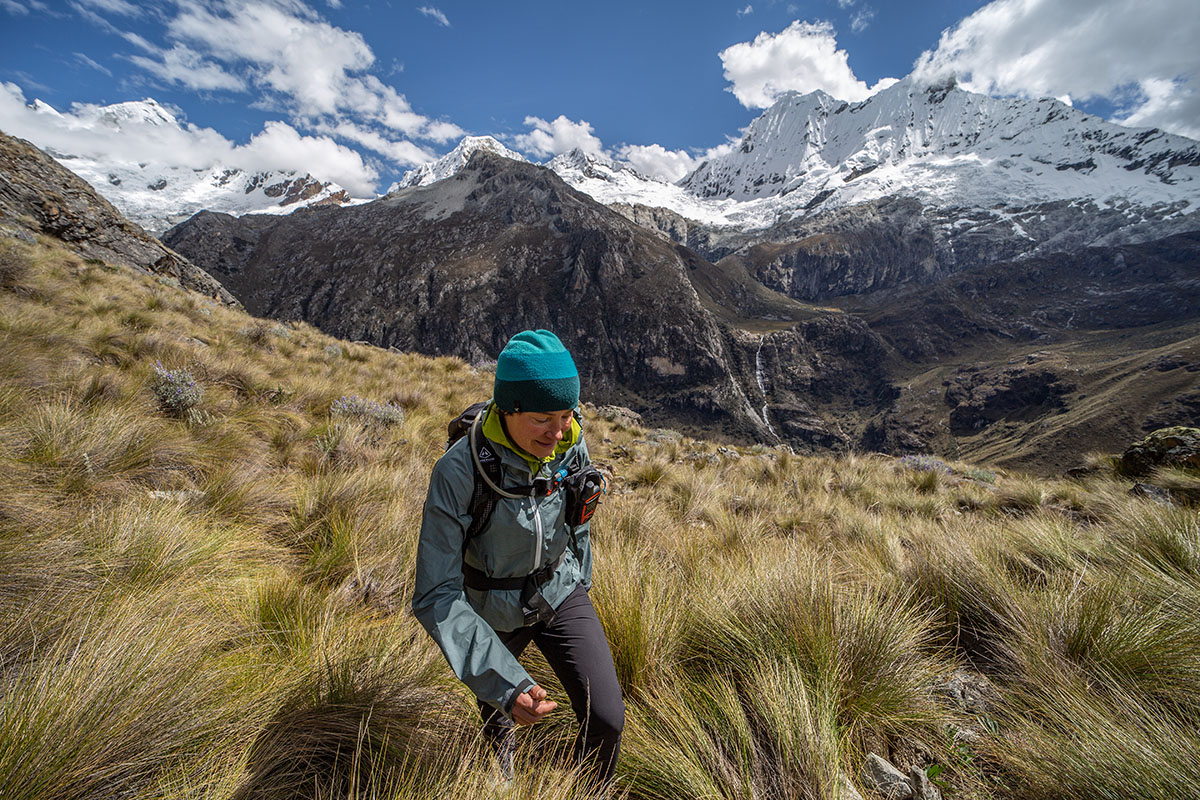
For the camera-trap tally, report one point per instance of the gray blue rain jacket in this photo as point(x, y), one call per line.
point(522, 535)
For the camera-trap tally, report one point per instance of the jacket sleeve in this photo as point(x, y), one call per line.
point(472, 648)
point(581, 536)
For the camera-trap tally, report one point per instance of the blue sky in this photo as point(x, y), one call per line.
point(358, 92)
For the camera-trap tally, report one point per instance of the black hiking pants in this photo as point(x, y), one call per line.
point(576, 648)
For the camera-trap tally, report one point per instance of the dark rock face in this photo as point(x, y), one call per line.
point(850, 251)
point(1183, 409)
point(978, 397)
point(898, 242)
point(832, 362)
point(460, 266)
point(39, 194)
point(871, 246)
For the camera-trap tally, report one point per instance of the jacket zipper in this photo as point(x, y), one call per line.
point(537, 524)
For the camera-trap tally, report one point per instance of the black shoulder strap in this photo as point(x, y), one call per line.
point(483, 499)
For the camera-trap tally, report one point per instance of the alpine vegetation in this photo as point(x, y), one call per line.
point(176, 390)
point(220, 610)
point(368, 411)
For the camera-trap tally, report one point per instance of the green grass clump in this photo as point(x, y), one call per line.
point(207, 569)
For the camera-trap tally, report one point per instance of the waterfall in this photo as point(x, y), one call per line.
point(762, 387)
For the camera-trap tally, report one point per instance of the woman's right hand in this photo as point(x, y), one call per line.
point(531, 706)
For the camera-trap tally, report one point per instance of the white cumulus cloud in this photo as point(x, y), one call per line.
point(280, 146)
point(183, 66)
point(398, 151)
point(803, 57)
point(291, 60)
point(299, 62)
point(657, 161)
point(559, 136)
point(304, 59)
point(1142, 54)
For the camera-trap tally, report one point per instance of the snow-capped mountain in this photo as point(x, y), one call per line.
point(157, 195)
point(1005, 160)
point(947, 148)
point(449, 164)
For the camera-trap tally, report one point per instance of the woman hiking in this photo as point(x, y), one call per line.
point(484, 595)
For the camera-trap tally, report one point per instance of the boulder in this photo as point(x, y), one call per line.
point(619, 415)
point(881, 777)
point(968, 691)
point(1178, 446)
point(979, 396)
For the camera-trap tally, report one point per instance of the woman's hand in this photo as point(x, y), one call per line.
point(531, 706)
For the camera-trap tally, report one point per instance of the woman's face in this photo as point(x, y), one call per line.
point(538, 432)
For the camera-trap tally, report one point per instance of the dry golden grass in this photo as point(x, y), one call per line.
point(209, 599)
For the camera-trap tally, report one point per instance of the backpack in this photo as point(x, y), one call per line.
point(584, 484)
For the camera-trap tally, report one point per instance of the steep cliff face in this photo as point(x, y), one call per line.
point(38, 193)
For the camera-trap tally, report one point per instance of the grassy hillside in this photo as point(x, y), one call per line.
point(207, 532)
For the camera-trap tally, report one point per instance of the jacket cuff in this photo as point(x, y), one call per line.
point(510, 697)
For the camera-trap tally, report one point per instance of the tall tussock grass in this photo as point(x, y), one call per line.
point(207, 535)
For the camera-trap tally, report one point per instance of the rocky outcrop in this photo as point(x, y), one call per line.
point(814, 377)
point(898, 242)
point(853, 250)
point(39, 195)
point(885, 780)
point(1177, 447)
point(980, 396)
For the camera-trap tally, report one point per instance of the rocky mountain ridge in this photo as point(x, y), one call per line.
point(824, 199)
point(460, 265)
point(39, 195)
point(946, 146)
point(449, 165)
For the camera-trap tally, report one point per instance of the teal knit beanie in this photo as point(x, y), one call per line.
point(536, 373)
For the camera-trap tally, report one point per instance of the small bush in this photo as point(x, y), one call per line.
point(925, 464)
point(258, 334)
point(369, 412)
point(176, 390)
